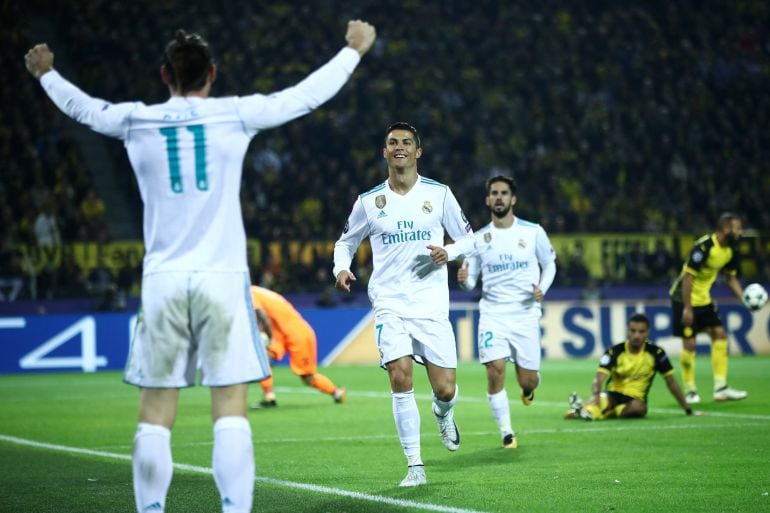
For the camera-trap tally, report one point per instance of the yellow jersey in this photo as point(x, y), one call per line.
point(707, 258)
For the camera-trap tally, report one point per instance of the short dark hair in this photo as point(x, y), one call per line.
point(639, 317)
point(402, 125)
point(500, 178)
point(727, 218)
point(187, 59)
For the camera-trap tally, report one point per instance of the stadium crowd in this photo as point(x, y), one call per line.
point(613, 117)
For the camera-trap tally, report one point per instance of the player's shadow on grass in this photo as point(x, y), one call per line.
point(479, 458)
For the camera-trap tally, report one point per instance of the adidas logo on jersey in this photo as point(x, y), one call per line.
point(382, 214)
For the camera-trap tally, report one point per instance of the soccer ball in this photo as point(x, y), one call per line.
point(754, 296)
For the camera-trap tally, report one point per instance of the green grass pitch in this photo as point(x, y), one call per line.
point(65, 445)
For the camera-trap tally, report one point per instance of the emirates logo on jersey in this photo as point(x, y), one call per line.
point(427, 207)
point(522, 244)
point(380, 201)
point(487, 237)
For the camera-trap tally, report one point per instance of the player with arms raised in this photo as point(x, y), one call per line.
point(187, 155)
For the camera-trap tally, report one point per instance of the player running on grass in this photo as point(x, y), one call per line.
point(517, 264)
point(405, 218)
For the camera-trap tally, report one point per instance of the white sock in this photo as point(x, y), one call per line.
point(152, 467)
point(501, 411)
point(407, 418)
point(442, 407)
point(233, 463)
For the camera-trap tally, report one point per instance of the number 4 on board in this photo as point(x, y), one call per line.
point(88, 359)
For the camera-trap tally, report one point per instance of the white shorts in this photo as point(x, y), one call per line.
point(423, 339)
point(196, 319)
point(516, 338)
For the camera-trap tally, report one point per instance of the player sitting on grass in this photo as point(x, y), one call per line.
point(628, 369)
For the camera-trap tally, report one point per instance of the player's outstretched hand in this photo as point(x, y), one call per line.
point(360, 36)
point(39, 60)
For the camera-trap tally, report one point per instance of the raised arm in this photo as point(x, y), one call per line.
point(360, 36)
point(260, 111)
point(101, 116)
point(39, 60)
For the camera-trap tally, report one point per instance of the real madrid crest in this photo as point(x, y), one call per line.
point(427, 207)
point(487, 237)
point(522, 244)
point(380, 201)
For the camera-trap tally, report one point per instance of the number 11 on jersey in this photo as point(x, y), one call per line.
point(172, 149)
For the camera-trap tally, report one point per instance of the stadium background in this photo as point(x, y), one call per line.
point(629, 129)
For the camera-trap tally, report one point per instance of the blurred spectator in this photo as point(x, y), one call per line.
point(635, 265)
point(623, 103)
point(127, 282)
point(661, 264)
point(574, 272)
point(47, 227)
point(591, 291)
point(11, 273)
point(69, 280)
point(92, 211)
point(48, 242)
point(101, 283)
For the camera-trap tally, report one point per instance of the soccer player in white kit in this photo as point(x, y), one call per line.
point(517, 265)
point(187, 155)
point(405, 218)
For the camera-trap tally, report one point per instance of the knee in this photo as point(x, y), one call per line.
point(635, 408)
point(400, 380)
point(718, 333)
point(529, 382)
point(444, 391)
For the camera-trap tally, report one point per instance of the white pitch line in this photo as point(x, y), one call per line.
point(476, 399)
point(259, 479)
point(605, 427)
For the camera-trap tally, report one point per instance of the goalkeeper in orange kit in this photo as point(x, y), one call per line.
point(288, 332)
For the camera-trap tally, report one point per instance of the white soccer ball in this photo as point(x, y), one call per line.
point(754, 296)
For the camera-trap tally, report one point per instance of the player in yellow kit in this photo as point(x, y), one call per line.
point(693, 310)
point(626, 370)
point(289, 333)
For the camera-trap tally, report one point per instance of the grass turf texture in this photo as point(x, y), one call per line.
point(315, 456)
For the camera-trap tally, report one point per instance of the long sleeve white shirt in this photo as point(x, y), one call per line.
point(404, 280)
point(187, 155)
